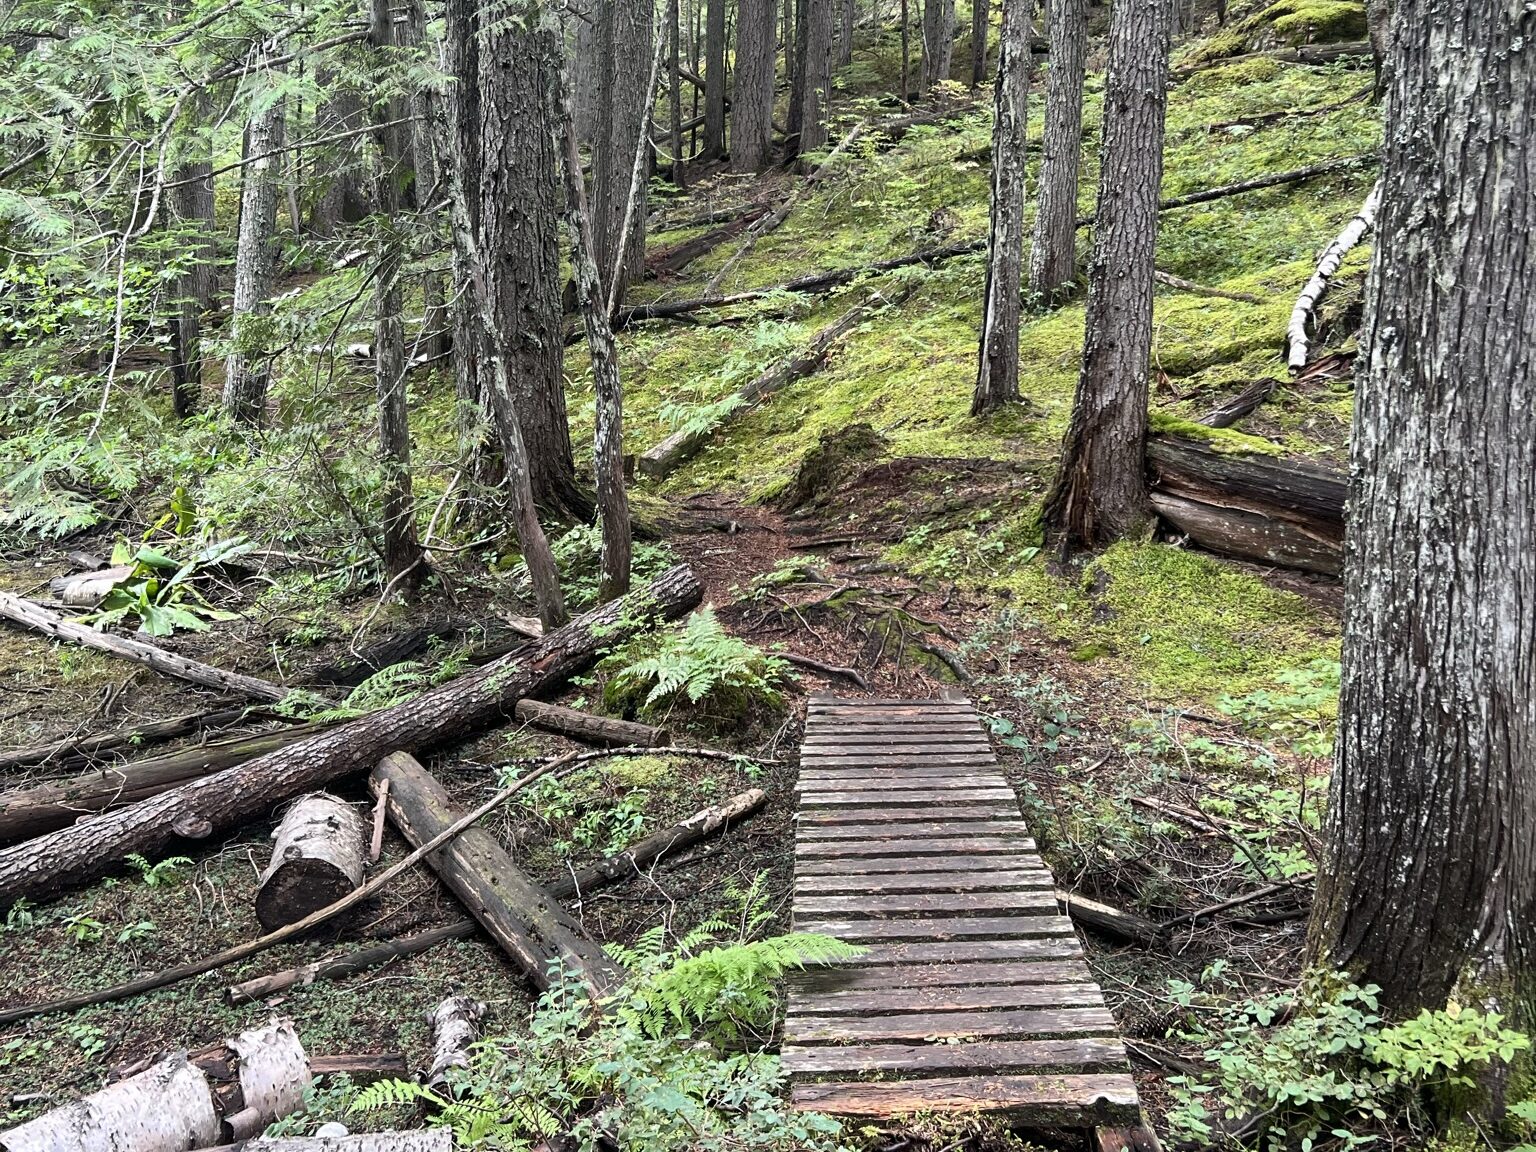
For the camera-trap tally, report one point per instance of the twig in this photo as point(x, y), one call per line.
point(829, 669)
point(377, 845)
point(1237, 901)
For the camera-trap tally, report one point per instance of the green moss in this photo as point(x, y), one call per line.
point(1317, 21)
point(1221, 439)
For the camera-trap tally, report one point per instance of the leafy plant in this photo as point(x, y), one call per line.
point(159, 593)
point(698, 664)
point(161, 875)
point(1303, 713)
point(137, 931)
point(83, 929)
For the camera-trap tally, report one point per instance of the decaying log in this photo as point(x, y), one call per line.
point(715, 216)
point(1257, 507)
point(1107, 919)
point(580, 883)
point(360, 1067)
point(29, 812)
point(638, 856)
point(1305, 54)
point(318, 856)
point(230, 1091)
point(526, 921)
point(250, 948)
point(1333, 255)
point(679, 256)
point(68, 752)
point(88, 589)
point(1246, 402)
point(424, 1140)
point(453, 1024)
point(661, 459)
point(589, 728)
point(1191, 287)
point(40, 619)
point(352, 669)
point(449, 712)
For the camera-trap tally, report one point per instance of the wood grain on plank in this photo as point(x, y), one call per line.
point(1068, 969)
point(1020, 1024)
point(1043, 1101)
point(1020, 857)
point(925, 904)
point(1103, 1052)
point(931, 929)
point(877, 955)
point(927, 1000)
point(926, 796)
point(831, 817)
point(891, 882)
point(960, 846)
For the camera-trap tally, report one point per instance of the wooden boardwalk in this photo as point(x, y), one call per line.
point(973, 994)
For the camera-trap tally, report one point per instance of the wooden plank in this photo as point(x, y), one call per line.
point(931, 930)
point(929, 1000)
point(1099, 1052)
point(908, 727)
point(964, 846)
point(831, 817)
point(824, 741)
point(856, 781)
point(891, 882)
point(938, 830)
point(879, 956)
point(863, 746)
point(933, 710)
point(927, 796)
point(1043, 1101)
point(878, 758)
point(831, 699)
point(943, 862)
point(1070, 969)
point(1021, 1024)
point(1025, 902)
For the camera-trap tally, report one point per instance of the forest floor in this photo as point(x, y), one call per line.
point(1164, 714)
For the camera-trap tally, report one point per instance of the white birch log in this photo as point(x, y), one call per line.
point(321, 846)
point(166, 1108)
point(453, 1031)
point(274, 1071)
point(426, 1140)
point(1296, 332)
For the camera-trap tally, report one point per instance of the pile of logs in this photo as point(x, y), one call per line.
point(65, 833)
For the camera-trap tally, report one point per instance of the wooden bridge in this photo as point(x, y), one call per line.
point(973, 994)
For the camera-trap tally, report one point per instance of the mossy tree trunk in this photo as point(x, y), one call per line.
point(752, 101)
point(1100, 493)
point(997, 371)
point(1053, 253)
point(1430, 878)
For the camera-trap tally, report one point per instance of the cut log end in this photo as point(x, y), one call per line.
point(321, 846)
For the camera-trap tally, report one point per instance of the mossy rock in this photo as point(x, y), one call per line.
point(1287, 23)
point(830, 463)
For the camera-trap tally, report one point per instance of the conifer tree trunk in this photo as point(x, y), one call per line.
point(624, 57)
point(608, 436)
point(675, 91)
point(997, 371)
point(1053, 254)
point(1429, 879)
point(981, 12)
point(436, 318)
point(814, 74)
point(938, 40)
point(794, 114)
point(247, 369)
point(520, 212)
point(846, 18)
point(906, 52)
point(752, 102)
point(587, 69)
point(192, 204)
point(404, 569)
point(714, 79)
point(338, 173)
point(1100, 493)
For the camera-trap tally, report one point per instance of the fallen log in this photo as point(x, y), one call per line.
point(361, 1067)
point(579, 883)
point(70, 751)
point(589, 728)
point(451, 711)
point(1256, 507)
point(1328, 264)
point(526, 921)
point(30, 812)
point(230, 1091)
point(40, 619)
point(662, 458)
point(1246, 402)
point(318, 857)
point(352, 669)
point(1259, 119)
point(703, 219)
point(1108, 919)
point(1305, 54)
point(250, 948)
point(1191, 287)
point(88, 589)
point(453, 1024)
point(679, 256)
point(422, 1140)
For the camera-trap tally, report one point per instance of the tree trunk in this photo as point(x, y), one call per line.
point(608, 435)
point(981, 13)
point(592, 729)
point(675, 93)
point(1100, 494)
point(343, 198)
point(1053, 255)
point(519, 243)
point(623, 114)
point(1378, 28)
point(192, 205)
point(906, 52)
point(752, 96)
point(814, 75)
point(587, 69)
point(527, 922)
point(404, 567)
point(449, 712)
point(997, 371)
point(57, 754)
point(1432, 809)
point(318, 856)
point(795, 110)
point(248, 368)
point(1306, 303)
point(714, 79)
point(418, 1140)
point(461, 97)
point(29, 812)
point(938, 41)
point(428, 157)
point(845, 22)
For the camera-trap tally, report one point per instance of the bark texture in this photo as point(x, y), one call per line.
point(192, 205)
point(997, 370)
point(714, 81)
point(343, 196)
point(938, 41)
point(592, 729)
point(1100, 493)
point(1053, 254)
point(449, 712)
point(624, 56)
point(247, 369)
point(318, 854)
point(453, 1023)
point(1306, 303)
point(981, 14)
point(813, 77)
point(752, 99)
point(1431, 873)
point(181, 1116)
point(519, 217)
